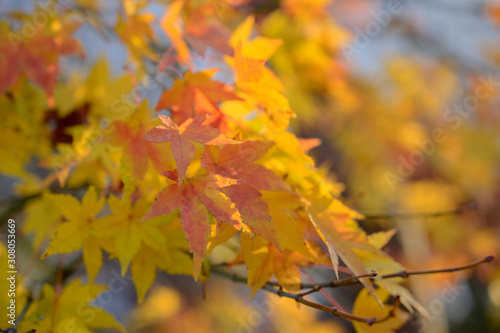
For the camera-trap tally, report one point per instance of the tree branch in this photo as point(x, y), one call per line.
point(275, 288)
point(456, 211)
point(299, 298)
point(406, 274)
point(354, 280)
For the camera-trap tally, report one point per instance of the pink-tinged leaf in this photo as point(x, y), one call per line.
point(197, 198)
point(167, 201)
point(237, 162)
point(254, 210)
point(181, 139)
point(196, 225)
point(221, 207)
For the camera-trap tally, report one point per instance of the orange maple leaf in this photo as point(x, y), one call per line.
point(36, 57)
point(171, 25)
point(129, 135)
point(203, 29)
point(181, 98)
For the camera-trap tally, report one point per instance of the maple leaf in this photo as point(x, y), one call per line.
point(36, 57)
point(181, 97)
point(286, 222)
point(327, 214)
point(129, 134)
point(181, 139)
point(171, 25)
point(254, 251)
point(253, 210)
point(104, 93)
point(79, 231)
point(63, 312)
point(204, 29)
point(215, 117)
point(366, 306)
point(128, 231)
point(238, 162)
point(198, 200)
point(264, 260)
point(135, 31)
point(174, 260)
point(256, 82)
point(42, 216)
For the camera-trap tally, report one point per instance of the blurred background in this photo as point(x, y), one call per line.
point(405, 97)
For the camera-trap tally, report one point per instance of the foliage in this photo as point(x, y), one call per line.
point(99, 174)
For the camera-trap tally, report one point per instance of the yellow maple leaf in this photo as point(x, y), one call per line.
point(128, 231)
point(367, 307)
point(79, 232)
point(71, 311)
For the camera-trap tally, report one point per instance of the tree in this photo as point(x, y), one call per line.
point(217, 166)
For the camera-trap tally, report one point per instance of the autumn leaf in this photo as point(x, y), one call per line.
point(204, 29)
point(198, 199)
point(135, 30)
point(264, 261)
point(170, 23)
point(328, 214)
point(129, 134)
point(128, 231)
point(239, 162)
point(254, 251)
point(79, 231)
point(290, 229)
point(181, 97)
point(256, 82)
point(365, 306)
point(42, 217)
point(36, 57)
point(254, 211)
point(182, 137)
point(63, 312)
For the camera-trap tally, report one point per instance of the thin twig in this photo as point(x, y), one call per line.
point(274, 288)
point(24, 310)
point(332, 284)
point(456, 211)
point(354, 280)
point(406, 274)
point(299, 298)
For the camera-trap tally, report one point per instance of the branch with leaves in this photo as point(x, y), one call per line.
point(277, 289)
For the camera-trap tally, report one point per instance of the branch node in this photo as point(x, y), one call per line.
point(371, 321)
